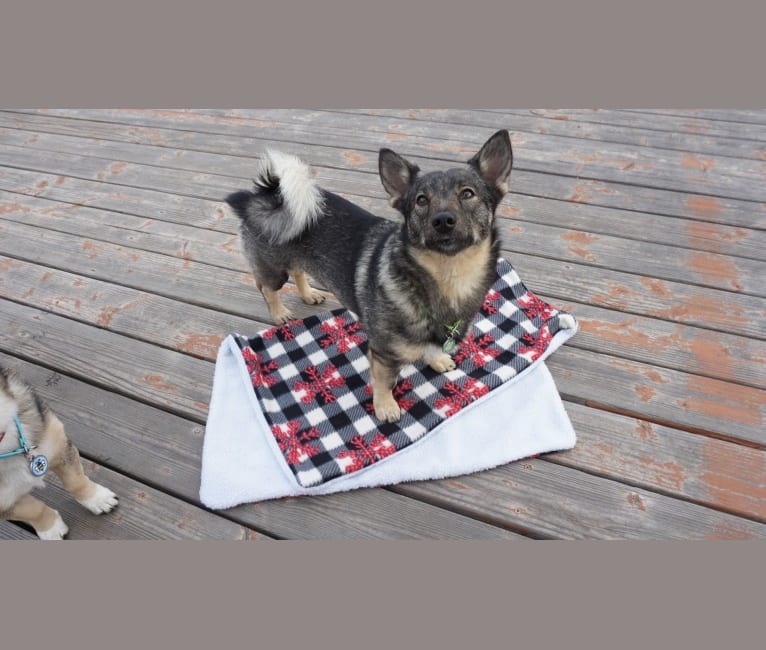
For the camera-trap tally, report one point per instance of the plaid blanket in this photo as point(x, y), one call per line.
point(311, 380)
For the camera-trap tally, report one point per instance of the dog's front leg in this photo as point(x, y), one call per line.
point(46, 521)
point(68, 467)
point(383, 375)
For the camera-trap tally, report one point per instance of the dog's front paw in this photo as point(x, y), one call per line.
point(56, 532)
point(313, 297)
point(442, 363)
point(386, 409)
point(101, 501)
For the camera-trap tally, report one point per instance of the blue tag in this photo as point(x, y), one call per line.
point(39, 465)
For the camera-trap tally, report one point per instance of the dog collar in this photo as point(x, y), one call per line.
point(38, 465)
point(450, 343)
point(452, 332)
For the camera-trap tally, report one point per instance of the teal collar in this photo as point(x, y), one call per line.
point(38, 465)
point(24, 449)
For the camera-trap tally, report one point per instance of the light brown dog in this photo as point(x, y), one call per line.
point(44, 434)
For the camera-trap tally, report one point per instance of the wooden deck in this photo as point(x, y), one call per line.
point(119, 276)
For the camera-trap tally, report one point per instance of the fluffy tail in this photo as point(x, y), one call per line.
point(285, 201)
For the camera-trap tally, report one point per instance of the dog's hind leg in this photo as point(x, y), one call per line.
point(270, 279)
point(68, 466)
point(279, 313)
point(46, 521)
point(310, 296)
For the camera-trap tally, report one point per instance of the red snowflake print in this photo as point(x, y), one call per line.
point(283, 332)
point(259, 371)
point(534, 306)
point(492, 297)
point(364, 453)
point(477, 350)
point(340, 333)
point(400, 390)
point(536, 344)
point(319, 383)
point(296, 445)
point(460, 396)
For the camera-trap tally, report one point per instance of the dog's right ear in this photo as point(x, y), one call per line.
point(396, 174)
point(494, 162)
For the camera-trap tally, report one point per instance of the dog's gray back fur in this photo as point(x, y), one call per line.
point(376, 267)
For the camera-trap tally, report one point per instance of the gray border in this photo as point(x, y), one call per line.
point(384, 595)
point(336, 53)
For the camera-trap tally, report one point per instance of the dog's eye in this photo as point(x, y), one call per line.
point(467, 193)
point(421, 199)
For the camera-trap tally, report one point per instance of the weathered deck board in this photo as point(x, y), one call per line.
point(741, 116)
point(571, 124)
point(549, 501)
point(709, 471)
point(143, 513)
point(119, 275)
point(684, 233)
point(732, 211)
point(684, 123)
point(11, 531)
point(686, 134)
point(547, 154)
point(670, 396)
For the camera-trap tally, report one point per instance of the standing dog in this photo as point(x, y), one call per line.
point(415, 285)
point(26, 420)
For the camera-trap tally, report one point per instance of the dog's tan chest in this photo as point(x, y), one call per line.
point(458, 277)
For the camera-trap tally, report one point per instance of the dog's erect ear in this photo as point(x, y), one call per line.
point(396, 174)
point(494, 161)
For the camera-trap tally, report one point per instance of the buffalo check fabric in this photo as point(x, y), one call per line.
point(310, 379)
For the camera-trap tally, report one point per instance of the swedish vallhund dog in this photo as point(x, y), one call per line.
point(32, 440)
point(415, 285)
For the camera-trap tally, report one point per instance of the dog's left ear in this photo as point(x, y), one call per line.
point(396, 174)
point(494, 162)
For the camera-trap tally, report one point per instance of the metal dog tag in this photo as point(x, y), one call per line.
point(39, 465)
point(449, 345)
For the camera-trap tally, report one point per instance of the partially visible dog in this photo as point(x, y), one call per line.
point(415, 285)
point(43, 433)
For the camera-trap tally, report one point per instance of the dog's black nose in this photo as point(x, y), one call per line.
point(443, 222)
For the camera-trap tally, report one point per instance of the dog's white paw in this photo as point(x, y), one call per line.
point(386, 409)
point(442, 363)
point(101, 501)
point(56, 532)
point(313, 297)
